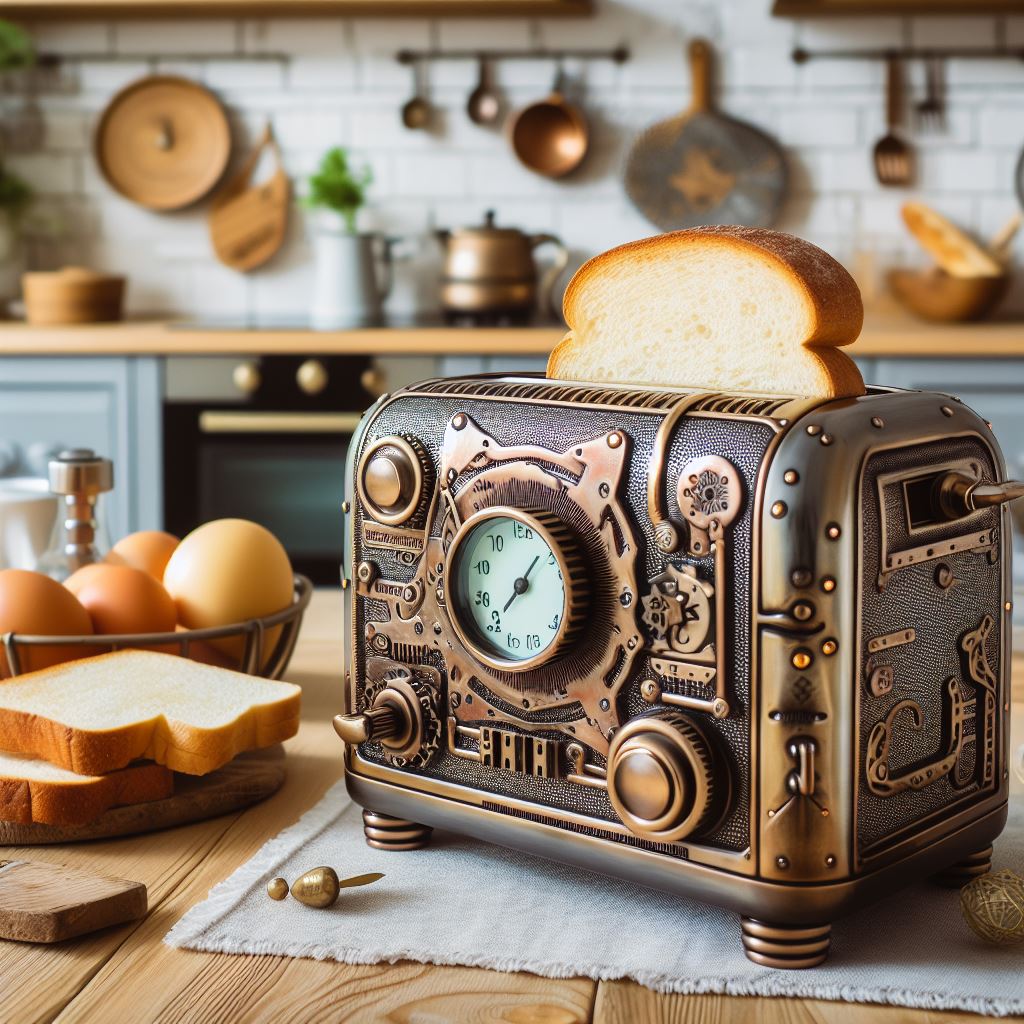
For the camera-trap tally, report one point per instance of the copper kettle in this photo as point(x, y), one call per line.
point(490, 272)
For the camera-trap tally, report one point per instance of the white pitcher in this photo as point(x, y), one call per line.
point(352, 278)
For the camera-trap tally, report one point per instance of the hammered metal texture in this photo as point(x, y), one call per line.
point(741, 442)
point(941, 617)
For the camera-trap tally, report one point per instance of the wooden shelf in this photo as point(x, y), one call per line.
point(921, 8)
point(891, 337)
point(94, 9)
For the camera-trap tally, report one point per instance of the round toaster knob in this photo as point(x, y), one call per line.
point(246, 377)
point(394, 474)
point(661, 778)
point(312, 377)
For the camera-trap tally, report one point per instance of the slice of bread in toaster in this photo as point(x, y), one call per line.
point(32, 790)
point(100, 714)
point(715, 308)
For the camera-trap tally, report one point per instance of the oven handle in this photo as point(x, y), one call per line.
point(213, 421)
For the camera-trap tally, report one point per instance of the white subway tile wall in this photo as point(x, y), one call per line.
point(334, 81)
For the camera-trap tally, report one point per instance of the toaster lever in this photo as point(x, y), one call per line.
point(800, 781)
point(958, 495)
point(376, 724)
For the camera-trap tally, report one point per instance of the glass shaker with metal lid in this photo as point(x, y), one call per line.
point(79, 476)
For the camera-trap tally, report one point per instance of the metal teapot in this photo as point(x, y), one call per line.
point(490, 272)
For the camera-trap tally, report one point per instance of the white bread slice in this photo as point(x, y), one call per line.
point(715, 308)
point(100, 714)
point(37, 791)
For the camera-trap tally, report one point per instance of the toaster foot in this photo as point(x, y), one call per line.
point(785, 946)
point(958, 875)
point(387, 833)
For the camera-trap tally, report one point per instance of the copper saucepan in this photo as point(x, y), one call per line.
point(550, 137)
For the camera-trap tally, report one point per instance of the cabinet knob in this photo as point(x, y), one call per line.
point(312, 377)
point(246, 377)
point(8, 457)
point(374, 381)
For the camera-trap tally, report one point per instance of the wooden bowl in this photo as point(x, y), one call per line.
point(935, 295)
point(73, 295)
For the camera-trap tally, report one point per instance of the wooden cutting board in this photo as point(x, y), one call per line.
point(246, 780)
point(702, 167)
point(49, 902)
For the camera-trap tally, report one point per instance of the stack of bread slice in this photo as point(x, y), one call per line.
point(86, 736)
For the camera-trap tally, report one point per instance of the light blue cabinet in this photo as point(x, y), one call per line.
point(112, 405)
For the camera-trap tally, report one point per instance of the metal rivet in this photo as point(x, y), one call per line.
point(826, 439)
point(829, 647)
point(946, 411)
point(828, 584)
point(802, 611)
point(791, 476)
point(365, 571)
point(801, 577)
point(782, 863)
point(830, 861)
point(614, 439)
point(459, 420)
point(605, 705)
point(1008, 606)
point(802, 659)
point(877, 422)
point(833, 531)
point(650, 691)
point(345, 506)
point(778, 509)
point(814, 430)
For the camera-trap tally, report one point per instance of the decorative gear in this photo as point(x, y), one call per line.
point(710, 493)
point(430, 719)
point(678, 610)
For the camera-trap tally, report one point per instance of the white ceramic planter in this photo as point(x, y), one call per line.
point(352, 278)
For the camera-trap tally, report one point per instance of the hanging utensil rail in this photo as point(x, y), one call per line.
point(619, 55)
point(803, 56)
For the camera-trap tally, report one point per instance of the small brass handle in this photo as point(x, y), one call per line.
point(376, 724)
point(800, 781)
point(958, 495)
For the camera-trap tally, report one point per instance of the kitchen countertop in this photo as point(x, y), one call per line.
point(127, 973)
point(888, 335)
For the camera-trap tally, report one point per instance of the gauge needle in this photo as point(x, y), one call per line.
point(521, 584)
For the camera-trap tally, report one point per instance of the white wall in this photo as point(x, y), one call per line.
point(340, 84)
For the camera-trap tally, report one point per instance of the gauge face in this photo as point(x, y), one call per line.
point(508, 589)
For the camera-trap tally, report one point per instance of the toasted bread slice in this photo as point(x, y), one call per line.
point(716, 308)
point(100, 714)
point(32, 790)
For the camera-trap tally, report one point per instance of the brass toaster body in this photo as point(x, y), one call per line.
point(762, 660)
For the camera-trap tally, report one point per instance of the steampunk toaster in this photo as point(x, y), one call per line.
point(752, 650)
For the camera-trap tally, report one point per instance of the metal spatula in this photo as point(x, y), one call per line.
point(894, 158)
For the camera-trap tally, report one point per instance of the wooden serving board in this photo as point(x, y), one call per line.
point(50, 902)
point(246, 780)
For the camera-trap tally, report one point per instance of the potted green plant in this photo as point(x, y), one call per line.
point(349, 287)
point(16, 51)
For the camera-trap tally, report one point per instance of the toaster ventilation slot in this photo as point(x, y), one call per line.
point(573, 394)
point(740, 406)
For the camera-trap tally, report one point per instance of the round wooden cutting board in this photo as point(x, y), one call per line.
point(163, 142)
point(246, 780)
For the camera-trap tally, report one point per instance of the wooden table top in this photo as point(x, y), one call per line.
point(128, 974)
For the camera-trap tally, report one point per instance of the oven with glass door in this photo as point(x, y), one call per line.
point(265, 439)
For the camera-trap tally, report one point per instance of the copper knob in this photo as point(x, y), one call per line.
point(395, 719)
point(393, 475)
point(312, 377)
point(661, 778)
point(246, 377)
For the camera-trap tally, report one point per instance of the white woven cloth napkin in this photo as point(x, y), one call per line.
point(464, 902)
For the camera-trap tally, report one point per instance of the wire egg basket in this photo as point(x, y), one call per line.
point(16, 646)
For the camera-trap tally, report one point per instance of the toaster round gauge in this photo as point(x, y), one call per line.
point(515, 587)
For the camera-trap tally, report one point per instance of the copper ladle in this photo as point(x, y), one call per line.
point(550, 137)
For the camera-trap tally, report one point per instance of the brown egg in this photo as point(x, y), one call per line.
point(148, 550)
point(34, 604)
point(227, 571)
point(120, 599)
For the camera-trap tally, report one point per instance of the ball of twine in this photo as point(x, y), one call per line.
point(993, 905)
